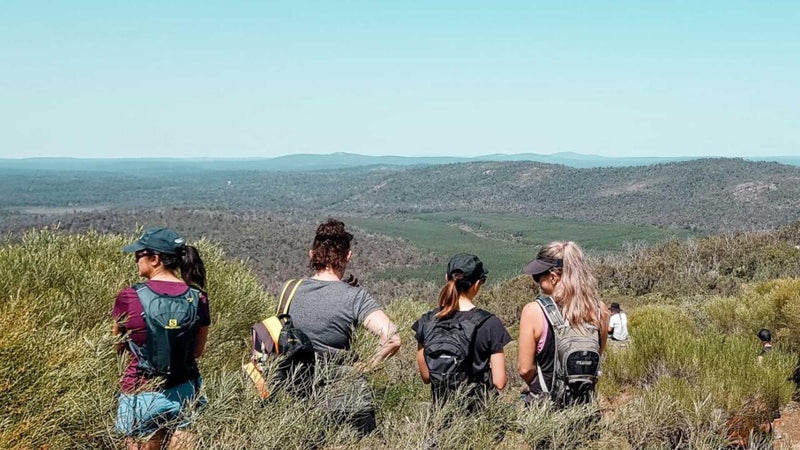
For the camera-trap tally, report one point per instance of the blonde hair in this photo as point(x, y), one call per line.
point(576, 293)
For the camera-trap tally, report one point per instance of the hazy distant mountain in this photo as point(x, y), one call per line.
point(309, 162)
point(707, 194)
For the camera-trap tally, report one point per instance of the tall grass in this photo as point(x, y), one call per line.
point(677, 386)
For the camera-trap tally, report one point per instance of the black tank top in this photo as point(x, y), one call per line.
point(545, 360)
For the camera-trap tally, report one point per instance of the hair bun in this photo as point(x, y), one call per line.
point(332, 230)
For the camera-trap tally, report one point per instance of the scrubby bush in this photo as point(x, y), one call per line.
point(669, 354)
point(715, 264)
point(59, 373)
point(774, 305)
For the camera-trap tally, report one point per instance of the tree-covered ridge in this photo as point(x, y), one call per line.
point(708, 194)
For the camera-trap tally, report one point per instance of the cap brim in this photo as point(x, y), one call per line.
point(536, 267)
point(131, 248)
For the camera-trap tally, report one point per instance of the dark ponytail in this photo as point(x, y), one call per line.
point(448, 296)
point(193, 271)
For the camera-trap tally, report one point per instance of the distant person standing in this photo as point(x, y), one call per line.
point(618, 323)
point(165, 322)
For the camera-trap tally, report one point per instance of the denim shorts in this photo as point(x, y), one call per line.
point(145, 413)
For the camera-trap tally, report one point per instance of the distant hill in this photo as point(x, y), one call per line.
point(707, 194)
point(333, 161)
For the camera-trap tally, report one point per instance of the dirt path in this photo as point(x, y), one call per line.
point(789, 428)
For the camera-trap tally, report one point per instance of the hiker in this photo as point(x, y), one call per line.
point(165, 323)
point(460, 346)
point(563, 333)
point(618, 323)
point(765, 336)
point(327, 310)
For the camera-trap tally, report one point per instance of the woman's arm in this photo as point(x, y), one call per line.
point(498, 364)
point(423, 367)
point(529, 334)
point(200, 340)
point(378, 323)
point(117, 330)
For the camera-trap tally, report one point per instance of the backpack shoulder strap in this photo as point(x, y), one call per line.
point(193, 296)
point(479, 316)
point(287, 295)
point(556, 321)
point(476, 319)
point(551, 311)
point(146, 296)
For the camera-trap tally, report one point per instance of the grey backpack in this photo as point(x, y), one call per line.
point(577, 358)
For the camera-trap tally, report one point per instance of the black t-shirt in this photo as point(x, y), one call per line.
point(490, 338)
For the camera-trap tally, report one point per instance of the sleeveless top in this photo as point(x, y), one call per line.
point(545, 358)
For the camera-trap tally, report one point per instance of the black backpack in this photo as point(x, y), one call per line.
point(171, 323)
point(276, 340)
point(448, 346)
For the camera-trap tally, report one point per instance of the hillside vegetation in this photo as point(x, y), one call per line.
point(687, 378)
point(708, 194)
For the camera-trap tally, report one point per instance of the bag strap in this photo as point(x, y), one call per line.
point(478, 318)
point(146, 297)
point(551, 311)
point(554, 320)
point(286, 300)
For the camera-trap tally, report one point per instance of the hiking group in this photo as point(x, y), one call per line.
point(164, 325)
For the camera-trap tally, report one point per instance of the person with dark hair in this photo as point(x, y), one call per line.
point(328, 310)
point(460, 346)
point(618, 323)
point(164, 321)
point(765, 336)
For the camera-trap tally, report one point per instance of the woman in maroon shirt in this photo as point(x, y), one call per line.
point(148, 409)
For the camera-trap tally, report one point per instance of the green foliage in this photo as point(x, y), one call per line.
point(707, 194)
point(59, 373)
point(774, 305)
point(715, 264)
point(504, 242)
point(721, 368)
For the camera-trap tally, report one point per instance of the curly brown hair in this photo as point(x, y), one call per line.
point(331, 246)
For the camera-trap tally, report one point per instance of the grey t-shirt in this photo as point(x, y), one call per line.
point(329, 311)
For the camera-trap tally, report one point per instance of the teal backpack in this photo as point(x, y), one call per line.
point(171, 323)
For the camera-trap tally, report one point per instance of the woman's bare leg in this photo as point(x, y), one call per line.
point(182, 440)
point(155, 442)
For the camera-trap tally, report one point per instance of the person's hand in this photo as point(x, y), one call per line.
point(352, 281)
point(361, 366)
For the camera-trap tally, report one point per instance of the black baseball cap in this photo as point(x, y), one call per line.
point(470, 265)
point(160, 240)
point(541, 265)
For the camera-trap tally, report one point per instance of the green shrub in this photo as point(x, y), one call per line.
point(59, 374)
point(723, 368)
point(773, 304)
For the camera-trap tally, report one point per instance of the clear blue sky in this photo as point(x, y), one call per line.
point(258, 78)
